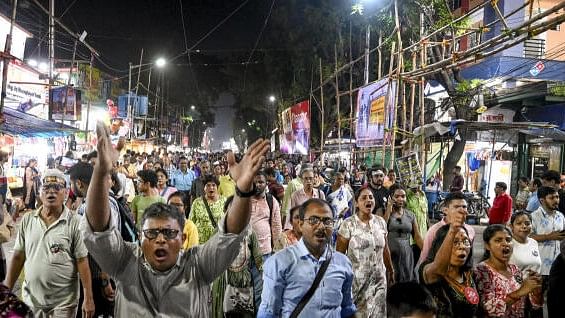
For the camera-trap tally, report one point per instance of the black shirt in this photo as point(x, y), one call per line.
point(380, 195)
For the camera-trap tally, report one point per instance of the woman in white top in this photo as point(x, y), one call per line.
point(526, 252)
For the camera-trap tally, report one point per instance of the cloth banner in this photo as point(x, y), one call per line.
point(295, 136)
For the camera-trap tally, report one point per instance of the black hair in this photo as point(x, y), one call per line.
point(501, 185)
point(163, 171)
point(552, 175)
point(358, 192)
point(525, 179)
point(545, 191)
point(436, 245)
point(518, 214)
point(163, 211)
point(409, 298)
point(179, 194)
point(261, 173)
point(148, 176)
point(454, 196)
point(117, 186)
point(81, 171)
point(312, 201)
point(393, 188)
point(92, 154)
point(537, 182)
point(293, 211)
point(269, 172)
point(489, 233)
point(210, 178)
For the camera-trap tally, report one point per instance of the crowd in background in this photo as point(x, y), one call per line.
point(382, 227)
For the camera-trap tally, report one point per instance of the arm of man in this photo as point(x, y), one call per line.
point(348, 308)
point(274, 284)
point(85, 277)
point(16, 265)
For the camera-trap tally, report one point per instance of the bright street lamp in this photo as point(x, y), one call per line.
point(203, 123)
point(243, 130)
point(160, 62)
point(192, 107)
point(272, 99)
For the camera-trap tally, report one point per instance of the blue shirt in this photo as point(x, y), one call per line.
point(289, 274)
point(183, 181)
point(533, 202)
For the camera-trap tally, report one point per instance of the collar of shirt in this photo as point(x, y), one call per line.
point(63, 217)
point(304, 252)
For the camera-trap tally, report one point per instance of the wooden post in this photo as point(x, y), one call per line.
point(322, 105)
point(338, 108)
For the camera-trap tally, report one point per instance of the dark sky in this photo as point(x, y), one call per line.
point(119, 29)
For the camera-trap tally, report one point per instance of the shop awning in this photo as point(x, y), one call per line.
point(22, 124)
point(547, 135)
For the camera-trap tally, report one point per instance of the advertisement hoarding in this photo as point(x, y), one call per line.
point(375, 112)
point(295, 134)
point(72, 110)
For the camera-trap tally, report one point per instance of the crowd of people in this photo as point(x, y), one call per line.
point(168, 234)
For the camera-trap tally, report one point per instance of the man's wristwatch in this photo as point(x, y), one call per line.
point(249, 194)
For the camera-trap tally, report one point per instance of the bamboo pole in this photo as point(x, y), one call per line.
point(351, 128)
point(379, 55)
point(338, 108)
point(322, 105)
point(423, 59)
point(399, 86)
point(390, 70)
point(412, 99)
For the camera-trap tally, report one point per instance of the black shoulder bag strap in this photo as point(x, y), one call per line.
point(210, 216)
point(269, 199)
point(306, 298)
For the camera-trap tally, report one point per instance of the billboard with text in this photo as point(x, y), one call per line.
point(375, 112)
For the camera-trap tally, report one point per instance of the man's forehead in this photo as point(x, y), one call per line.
point(161, 222)
point(317, 209)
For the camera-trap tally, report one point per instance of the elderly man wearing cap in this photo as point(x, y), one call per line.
point(49, 245)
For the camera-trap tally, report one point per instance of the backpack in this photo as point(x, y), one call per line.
point(128, 230)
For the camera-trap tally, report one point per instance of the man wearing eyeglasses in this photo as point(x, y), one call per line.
point(49, 245)
point(156, 278)
point(289, 274)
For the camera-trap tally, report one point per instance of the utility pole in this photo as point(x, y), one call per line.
point(6, 59)
point(367, 49)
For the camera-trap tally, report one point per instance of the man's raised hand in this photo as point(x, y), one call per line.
point(107, 155)
point(243, 173)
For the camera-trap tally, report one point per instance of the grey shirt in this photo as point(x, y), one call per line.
point(183, 291)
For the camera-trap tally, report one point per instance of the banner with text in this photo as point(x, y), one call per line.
point(409, 170)
point(375, 112)
point(295, 135)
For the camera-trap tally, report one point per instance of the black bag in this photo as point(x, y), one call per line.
point(128, 230)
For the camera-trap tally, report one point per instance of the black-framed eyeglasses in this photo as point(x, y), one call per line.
point(152, 234)
point(52, 186)
point(314, 220)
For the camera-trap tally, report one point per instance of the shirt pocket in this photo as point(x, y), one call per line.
point(331, 292)
point(59, 251)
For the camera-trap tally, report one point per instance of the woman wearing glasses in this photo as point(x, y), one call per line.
point(363, 238)
point(402, 226)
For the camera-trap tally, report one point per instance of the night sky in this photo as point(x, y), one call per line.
point(119, 29)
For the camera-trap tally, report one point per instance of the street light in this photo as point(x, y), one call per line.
point(160, 62)
point(192, 107)
point(243, 130)
point(272, 99)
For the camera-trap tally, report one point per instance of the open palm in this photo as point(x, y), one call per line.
point(243, 173)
